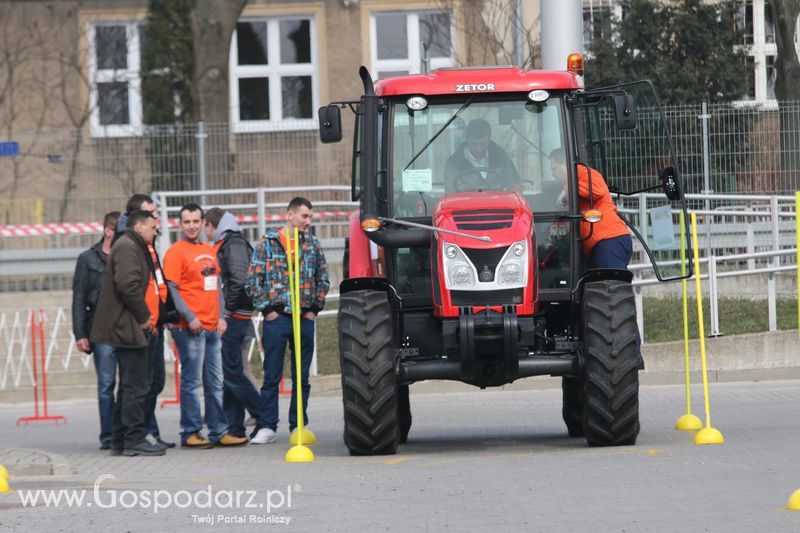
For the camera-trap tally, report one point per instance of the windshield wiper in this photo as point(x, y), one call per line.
point(435, 135)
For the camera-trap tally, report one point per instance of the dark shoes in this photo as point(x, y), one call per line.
point(164, 443)
point(105, 445)
point(144, 448)
point(156, 441)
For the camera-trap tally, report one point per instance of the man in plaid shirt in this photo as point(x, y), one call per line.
point(268, 285)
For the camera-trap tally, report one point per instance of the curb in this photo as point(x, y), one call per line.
point(23, 462)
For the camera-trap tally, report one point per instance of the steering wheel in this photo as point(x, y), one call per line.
point(470, 179)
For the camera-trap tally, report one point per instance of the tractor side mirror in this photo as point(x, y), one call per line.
point(625, 112)
point(670, 184)
point(330, 124)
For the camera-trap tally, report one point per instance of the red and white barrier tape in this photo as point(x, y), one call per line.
point(81, 228)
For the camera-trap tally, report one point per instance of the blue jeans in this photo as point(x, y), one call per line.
point(616, 253)
point(275, 334)
point(155, 352)
point(612, 253)
point(201, 364)
point(105, 363)
point(238, 391)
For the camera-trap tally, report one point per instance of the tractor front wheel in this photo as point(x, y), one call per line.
point(611, 381)
point(369, 383)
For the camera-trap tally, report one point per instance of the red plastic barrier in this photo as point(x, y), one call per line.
point(37, 337)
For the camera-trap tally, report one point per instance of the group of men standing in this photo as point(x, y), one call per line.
point(206, 295)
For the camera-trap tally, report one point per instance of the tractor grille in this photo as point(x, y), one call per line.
point(485, 258)
point(483, 219)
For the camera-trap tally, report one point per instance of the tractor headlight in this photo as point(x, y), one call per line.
point(512, 271)
point(459, 272)
point(461, 275)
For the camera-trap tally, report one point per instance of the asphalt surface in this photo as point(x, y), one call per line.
point(475, 461)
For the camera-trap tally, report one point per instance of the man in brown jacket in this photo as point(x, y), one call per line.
point(123, 320)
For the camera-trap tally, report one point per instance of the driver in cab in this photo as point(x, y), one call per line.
point(479, 163)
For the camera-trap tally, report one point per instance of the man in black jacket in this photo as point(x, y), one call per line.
point(479, 163)
point(234, 253)
point(86, 283)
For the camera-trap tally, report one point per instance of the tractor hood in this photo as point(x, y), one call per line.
point(505, 217)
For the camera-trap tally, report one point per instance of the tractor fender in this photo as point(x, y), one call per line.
point(380, 285)
point(601, 274)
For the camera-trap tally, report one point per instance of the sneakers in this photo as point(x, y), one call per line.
point(143, 448)
point(230, 440)
point(153, 441)
point(264, 436)
point(197, 441)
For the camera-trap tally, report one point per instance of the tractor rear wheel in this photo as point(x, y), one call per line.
point(572, 407)
point(611, 381)
point(369, 382)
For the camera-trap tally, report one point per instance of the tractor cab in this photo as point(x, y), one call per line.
point(465, 259)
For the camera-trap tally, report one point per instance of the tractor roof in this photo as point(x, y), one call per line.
point(477, 80)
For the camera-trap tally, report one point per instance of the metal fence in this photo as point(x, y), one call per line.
point(737, 149)
point(66, 175)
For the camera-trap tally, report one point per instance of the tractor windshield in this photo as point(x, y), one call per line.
point(471, 145)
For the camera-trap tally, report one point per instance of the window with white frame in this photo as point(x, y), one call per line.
point(597, 22)
point(274, 83)
point(114, 81)
point(401, 40)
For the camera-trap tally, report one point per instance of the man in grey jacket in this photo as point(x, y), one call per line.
point(234, 253)
point(123, 320)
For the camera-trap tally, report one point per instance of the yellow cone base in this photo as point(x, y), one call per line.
point(3, 485)
point(688, 423)
point(308, 437)
point(299, 454)
point(709, 436)
point(3, 472)
point(794, 501)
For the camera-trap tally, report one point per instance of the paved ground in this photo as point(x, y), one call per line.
point(476, 461)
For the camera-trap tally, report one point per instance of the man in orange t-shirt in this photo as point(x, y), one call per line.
point(192, 273)
point(607, 243)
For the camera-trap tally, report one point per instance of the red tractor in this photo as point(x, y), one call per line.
point(467, 266)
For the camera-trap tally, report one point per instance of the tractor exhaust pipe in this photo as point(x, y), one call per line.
point(369, 170)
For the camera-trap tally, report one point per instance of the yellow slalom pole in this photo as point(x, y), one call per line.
point(707, 435)
point(797, 252)
point(687, 422)
point(4, 479)
point(297, 453)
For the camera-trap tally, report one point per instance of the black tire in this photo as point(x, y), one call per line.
point(572, 407)
point(369, 382)
point(611, 380)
